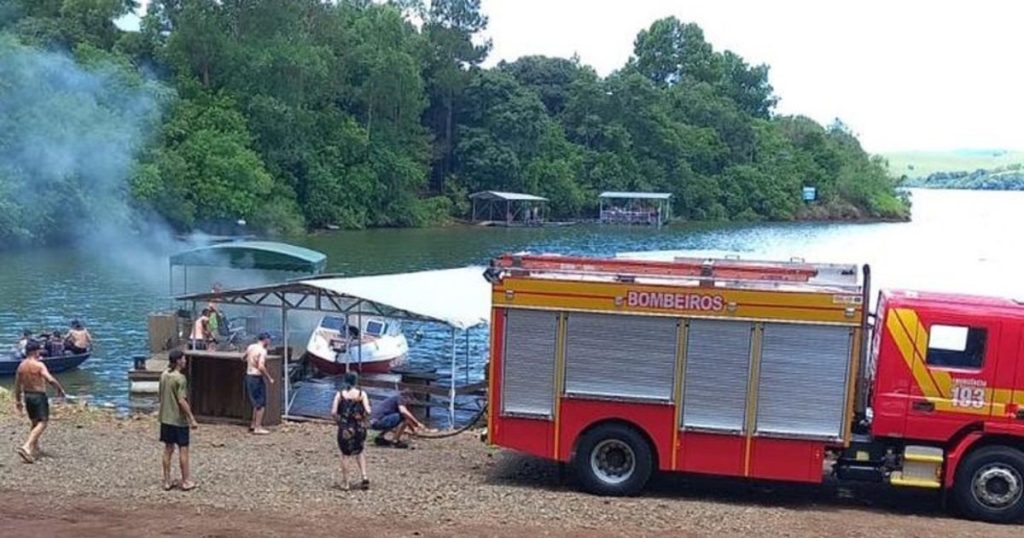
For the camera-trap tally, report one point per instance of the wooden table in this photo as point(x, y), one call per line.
point(217, 390)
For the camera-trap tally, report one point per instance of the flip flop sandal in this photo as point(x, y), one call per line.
point(189, 488)
point(25, 456)
point(169, 486)
point(365, 484)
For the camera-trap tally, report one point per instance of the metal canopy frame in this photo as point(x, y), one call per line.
point(636, 208)
point(314, 299)
point(514, 204)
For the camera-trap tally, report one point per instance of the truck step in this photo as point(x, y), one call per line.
point(922, 468)
point(923, 454)
point(923, 458)
point(897, 479)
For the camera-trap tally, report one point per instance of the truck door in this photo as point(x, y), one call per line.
point(953, 373)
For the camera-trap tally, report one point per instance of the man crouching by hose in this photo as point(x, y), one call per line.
point(30, 385)
point(392, 415)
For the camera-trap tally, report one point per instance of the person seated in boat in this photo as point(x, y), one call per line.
point(19, 348)
point(54, 345)
point(393, 415)
point(201, 336)
point(78, 340)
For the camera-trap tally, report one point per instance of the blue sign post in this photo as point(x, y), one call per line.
point(810, 194)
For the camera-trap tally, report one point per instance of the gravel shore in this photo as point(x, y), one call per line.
point(106, 469)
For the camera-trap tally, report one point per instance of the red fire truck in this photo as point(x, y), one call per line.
point(765, 370)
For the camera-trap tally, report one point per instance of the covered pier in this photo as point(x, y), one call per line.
point(458, 300)
point(647, 208)
point(508, 208)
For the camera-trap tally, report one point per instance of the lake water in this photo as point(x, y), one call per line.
point(964, 241)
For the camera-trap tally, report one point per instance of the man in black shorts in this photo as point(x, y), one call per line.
point(175, 419)
point(30, 395)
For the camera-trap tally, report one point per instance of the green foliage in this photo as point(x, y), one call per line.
point(205, 168)
point(303, 113)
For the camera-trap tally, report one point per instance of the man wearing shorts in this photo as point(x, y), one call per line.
point(392, 415)
point(256, 379)
point(200, 336)
point(175, 420)
point(30, 396)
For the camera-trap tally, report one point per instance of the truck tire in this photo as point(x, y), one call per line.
point(613, 459)
point(989, 485)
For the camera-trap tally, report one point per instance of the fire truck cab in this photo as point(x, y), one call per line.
point(763, 370)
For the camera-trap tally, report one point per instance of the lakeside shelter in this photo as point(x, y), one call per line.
point(458, 299)
point(509, 208)
point(650, 208)
point(198, 269)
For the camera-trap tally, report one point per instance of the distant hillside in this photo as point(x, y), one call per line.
point(962, 169)
point(921, 164)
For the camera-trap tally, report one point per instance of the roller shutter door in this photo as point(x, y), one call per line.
point(621, 356)
point(528, 373)
point(717, 371)
point(802, 390)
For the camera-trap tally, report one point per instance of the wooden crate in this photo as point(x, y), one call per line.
point(217, 390)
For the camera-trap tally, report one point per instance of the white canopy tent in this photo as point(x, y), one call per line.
point(458, 298)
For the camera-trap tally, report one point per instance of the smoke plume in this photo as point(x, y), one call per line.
point(70, 132)
point(69, 136)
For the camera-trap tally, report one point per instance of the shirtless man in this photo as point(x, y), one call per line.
point(256, 379)
point(201, 330)
point(79, 340)
point(30, 385)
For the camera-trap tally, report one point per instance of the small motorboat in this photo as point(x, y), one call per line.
point(56, 364)
point(339, 344)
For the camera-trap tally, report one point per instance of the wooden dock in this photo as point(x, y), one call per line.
point(311, 397)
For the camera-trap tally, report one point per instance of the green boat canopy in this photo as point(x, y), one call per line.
point(261, 255)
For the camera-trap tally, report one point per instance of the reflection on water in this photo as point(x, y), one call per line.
point(958, 241)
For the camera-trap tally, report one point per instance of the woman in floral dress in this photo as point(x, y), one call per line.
point(351, 411)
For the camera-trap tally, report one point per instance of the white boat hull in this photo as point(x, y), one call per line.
point(371, 354)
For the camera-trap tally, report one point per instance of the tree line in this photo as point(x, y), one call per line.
point(1002, 178)
point(299, 114)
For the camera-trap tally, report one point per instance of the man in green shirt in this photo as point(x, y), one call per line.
point(175, 419)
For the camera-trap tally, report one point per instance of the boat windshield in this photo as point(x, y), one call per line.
point(375, 327)
point(333, 323)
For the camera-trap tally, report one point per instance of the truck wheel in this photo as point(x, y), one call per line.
point(990, 484)
point(613, 459)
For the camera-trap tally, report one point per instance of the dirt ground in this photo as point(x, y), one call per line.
point(101, 477)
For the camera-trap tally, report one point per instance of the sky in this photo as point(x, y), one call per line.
point(903, 74)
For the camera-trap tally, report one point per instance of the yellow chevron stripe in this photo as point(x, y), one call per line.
point(937, 385)
point(896, 321)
